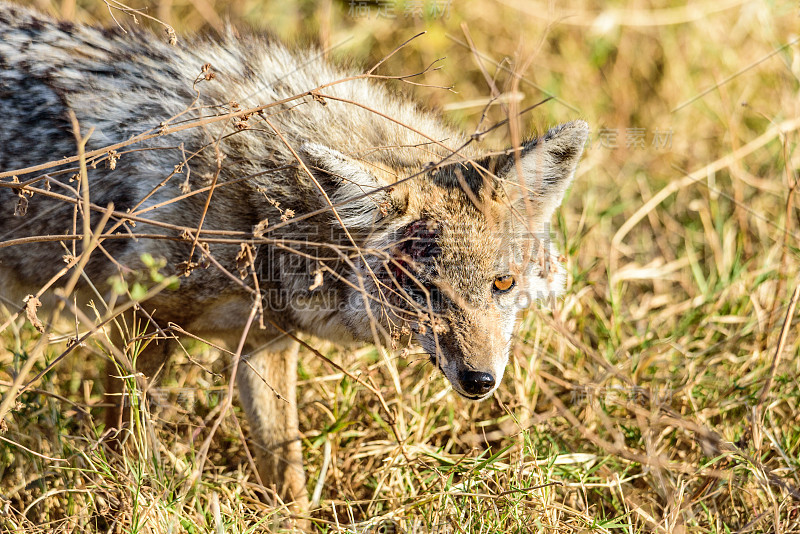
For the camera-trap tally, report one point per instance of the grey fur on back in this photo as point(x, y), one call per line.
point(123, 84)
point(482, 225)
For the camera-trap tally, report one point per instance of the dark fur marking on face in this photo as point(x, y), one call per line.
point(414, 254)
point(471, 175)
point(420, 241)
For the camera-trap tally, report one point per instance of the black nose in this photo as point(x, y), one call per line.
point(475, 382)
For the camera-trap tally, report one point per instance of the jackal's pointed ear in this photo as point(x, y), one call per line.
point(360, 198)
point(547, 165)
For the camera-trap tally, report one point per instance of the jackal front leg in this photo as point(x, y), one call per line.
point(267, 387)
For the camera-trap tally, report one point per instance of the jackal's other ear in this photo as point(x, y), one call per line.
point(360, 198)
point(547, 165)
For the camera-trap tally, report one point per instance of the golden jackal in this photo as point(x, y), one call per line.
point(350, 214)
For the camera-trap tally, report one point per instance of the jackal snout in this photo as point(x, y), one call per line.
point(476, 383)
point(469, 383)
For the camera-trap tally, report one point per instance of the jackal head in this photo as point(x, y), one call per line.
point(451, 256)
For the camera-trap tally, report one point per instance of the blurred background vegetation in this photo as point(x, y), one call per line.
point(656, 397)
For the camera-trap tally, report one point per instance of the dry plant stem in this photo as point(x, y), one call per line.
point(84, 177)
point(515, 75)
point(94, 327)
point(136, 211)
point(787, 230)
point(318, 94)
point(516, 143)
point(164, 237)
point(64, 270)
point(203, 452)
point(787, 325)
point(786, 126)
point(211, 258)
point(489, 81)
point(338, 218)
point(251, 263)
point(134, 218)
point(89, 243)
point(370, 387)
point(181, 229)
point(208, 201)
point(326, 462)
point(393, 52)
point(250, 461)
point(114, 4)
point(23, 185)
point(600, 442)
point(233, 278)
point(172, 327)
point(29, 451)
point(81, 407)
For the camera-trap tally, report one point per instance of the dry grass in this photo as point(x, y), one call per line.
point(659, 395)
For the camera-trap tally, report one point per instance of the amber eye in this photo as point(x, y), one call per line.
point(504, 283)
